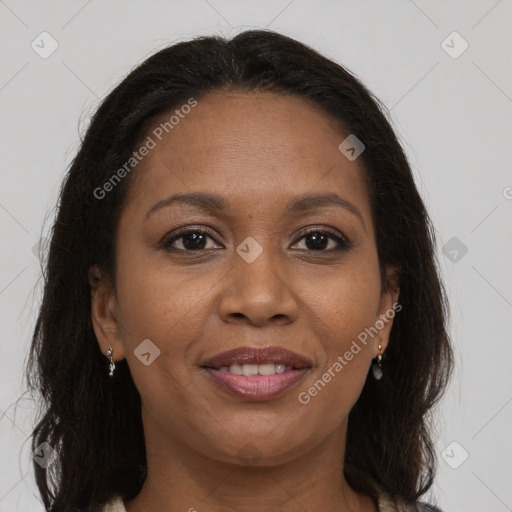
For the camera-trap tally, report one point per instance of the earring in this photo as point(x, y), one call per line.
point(112, 365)
point(377, 368)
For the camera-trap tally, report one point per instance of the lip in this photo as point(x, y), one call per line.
point(251, 355)
point(257, 387)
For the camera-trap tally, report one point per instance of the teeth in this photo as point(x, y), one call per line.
point(236, 369)
point(256, 369)
point(250, 369)
point(267, 369)
point(280, 368)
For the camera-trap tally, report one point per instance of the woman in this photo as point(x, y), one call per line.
point(242, 309)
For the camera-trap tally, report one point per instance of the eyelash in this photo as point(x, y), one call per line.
point(343, 243)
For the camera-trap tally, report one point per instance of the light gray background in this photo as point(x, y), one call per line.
point(453, 114)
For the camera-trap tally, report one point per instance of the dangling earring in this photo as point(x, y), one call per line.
point(377, 368)
point(112, 365)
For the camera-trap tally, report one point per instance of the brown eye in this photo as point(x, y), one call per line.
point(190, 240)
point(317, 240)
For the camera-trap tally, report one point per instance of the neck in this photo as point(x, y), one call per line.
point(181, 479)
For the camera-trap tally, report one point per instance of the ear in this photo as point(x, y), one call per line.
point(388, 308)
point(104, 313)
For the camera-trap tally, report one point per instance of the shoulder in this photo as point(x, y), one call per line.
point(387, 503)
point(425, 507)
point(114, 505)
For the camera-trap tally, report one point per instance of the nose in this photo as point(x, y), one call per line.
point(260, 293)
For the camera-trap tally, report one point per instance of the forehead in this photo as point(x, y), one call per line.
point(248, 146)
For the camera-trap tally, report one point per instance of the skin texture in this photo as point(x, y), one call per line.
point(257, 150)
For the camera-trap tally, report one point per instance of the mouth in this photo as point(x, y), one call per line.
point(257, 373)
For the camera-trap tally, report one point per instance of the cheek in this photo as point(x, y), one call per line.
point(346, 357)
point(347, 302)
point(343, 311)
point(163, 305)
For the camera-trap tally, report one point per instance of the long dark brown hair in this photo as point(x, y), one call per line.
point(94, 422)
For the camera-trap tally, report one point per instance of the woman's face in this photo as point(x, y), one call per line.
point(254, 280)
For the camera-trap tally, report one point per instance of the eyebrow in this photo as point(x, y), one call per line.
point(213, 202)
